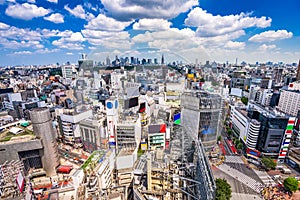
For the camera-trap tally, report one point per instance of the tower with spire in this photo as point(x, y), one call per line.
point(162, 59)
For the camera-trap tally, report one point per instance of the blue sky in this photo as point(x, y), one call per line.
point(51, 31)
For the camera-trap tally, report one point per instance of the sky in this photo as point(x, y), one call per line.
point(38, 32)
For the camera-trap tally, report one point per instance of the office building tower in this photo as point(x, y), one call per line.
point(162, 60)
point(107, 61)
point(42, 127)
point(289, 102)
point(69, 125)
point(202, 116)
point(93, 134)
point(271, 131)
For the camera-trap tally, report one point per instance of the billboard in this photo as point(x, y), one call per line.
point(142, 107)
point(132, 102)
point(157, 128)
point(177, 118)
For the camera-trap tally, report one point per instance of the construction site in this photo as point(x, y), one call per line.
point(182, 172)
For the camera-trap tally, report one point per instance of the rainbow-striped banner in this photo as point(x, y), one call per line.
point(287, 138)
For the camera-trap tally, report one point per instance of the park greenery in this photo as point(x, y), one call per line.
point(223, 191)
point(291, 184)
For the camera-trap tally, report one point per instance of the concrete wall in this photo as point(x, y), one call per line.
point(9, 151)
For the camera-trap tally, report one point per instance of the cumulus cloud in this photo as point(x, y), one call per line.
point(26, 11)
point(19, 34)
point(14, 44)
point(103, 23)
point(4, 26)
point(46, 51)
point(270, 36)
point(53, 1)
point(173, 38)
point(127, 10)
point(110, 40)
point(79, 12)
point(213, 25)
point(152, 24)
point(265, 47)
point(74, 41)
point(235, 45)
point(22, 53)
point(55, 18)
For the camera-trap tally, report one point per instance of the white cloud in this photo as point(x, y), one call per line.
point(235, 45)
point(110, 40)
point(75, 37)
point(126, 10)
point(69, 53)
point(152, 24)
point(4, 26)
point(55, 18)
point(53, 1)
point(22, 53)
point(265, 47)
point(79, 12)
point(31, 1)
point(103, 23)
point(74, 41)
point(270, 36)
point(210, 25)
point(46, 51)
point(14, 44)
point(26, 11)
point(19, 34)
point(61, 43)
point(172, 39)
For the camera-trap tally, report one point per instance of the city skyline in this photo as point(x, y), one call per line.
point(51, 31)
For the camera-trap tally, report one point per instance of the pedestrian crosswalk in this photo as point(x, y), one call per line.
point(265, 178)
point(234, 159)
point(250, 182)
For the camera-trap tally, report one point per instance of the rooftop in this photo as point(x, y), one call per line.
point(8, 135)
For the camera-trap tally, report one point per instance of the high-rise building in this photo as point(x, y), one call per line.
point(42, 127)
point(201, 116)
point(289, 102)
point(162, 60)
point(298, 72)
point(108, 61)
point(271, 130)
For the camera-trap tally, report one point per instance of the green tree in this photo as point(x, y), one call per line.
point(219, 138)
point(239, 146)
point(229, 132)
point(237, 142)
point(268, 163)
point(223, 191)
point(291, 184)
point(244, 100)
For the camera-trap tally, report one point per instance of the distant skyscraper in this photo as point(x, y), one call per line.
point(162, 60)
point(107, 61)
point(298, 72)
